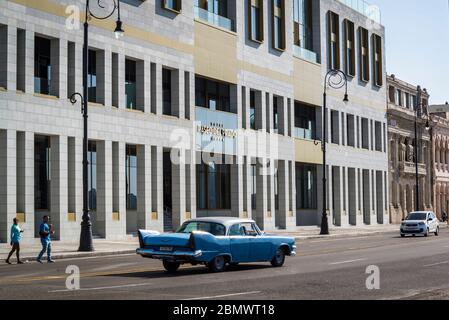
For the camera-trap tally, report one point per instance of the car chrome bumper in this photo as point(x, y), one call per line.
point(175, 255)
point(293, 253)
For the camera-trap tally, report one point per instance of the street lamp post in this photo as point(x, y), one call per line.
point(335, 79)
point(86, 244)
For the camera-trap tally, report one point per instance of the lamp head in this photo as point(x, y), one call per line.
point(427, 125)
point(118, 29)
point(346, 98)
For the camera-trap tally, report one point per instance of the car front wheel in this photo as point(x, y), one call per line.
point(170, 266)
point(279, 258)
point(427, 233)
point(217, 264)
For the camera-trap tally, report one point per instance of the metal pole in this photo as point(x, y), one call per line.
point(324, 222)
point(417, 112)
point(86, 225)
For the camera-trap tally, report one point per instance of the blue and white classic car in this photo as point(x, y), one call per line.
point(215, 242)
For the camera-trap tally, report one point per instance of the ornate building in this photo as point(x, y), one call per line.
point(402, 99)
point(440, 164)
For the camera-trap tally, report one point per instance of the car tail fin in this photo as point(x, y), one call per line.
point(140, 239)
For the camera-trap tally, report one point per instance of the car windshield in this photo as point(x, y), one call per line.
point(214, 228)
point(417, 216)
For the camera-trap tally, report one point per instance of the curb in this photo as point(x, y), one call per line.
point(75, 255)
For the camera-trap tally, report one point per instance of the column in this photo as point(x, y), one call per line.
point(178, 188)
point(75, 186)
point(177, 80)
point(157, 190)
point(291, 214)
point(144, 187)
point(29, 61)
point(104, 189)
point(283, 193)
point(59, 186)
point(261, 194)
point(247, 176)
point(143, 88)
point(12, 58)
point(117, 227)
point(8, 142)
point(237, 187)
point(191, 184)
point(269, 223)
point(156, 88)
point(282, 116)
point(118, 80)
point(269, 113)
point(25, 182)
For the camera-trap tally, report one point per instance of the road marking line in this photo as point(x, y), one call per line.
point(345, 262)
point(436, 264)
point(225, 295)
point(103, 288)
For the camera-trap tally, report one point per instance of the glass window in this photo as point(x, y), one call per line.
point(306, 186)
point(92, 76)
point(252, 110)
point(212, 94)
point(92, 174)
point(302, 16)
point(364, 54)
point(235, 230)
point(42, 170)
point(305, 121)
point(131, 177)
point(275, 114)
point(216, 229)
point(174, 5)
point(349, 45)
point(213, 186)
point(334, 40)
point(253, 186)
point(42, 65)
point(130, 84)
point(278, 24)
point(167, 91)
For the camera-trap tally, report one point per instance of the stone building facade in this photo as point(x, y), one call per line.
point(187, 78)
point(402, 101)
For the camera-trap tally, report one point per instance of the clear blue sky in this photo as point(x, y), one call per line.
point(417, 43)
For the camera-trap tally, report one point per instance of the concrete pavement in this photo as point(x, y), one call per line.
point(65, 250)
point(410, 268)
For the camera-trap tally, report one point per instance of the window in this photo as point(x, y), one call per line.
point(377, 59)
point(407, 100)
point(42, 173)
point(253, 186)
point(255, 25)
point(275, 115)
point(399, 97)
point(305, 121)
point(335, 127)
point(391, 94)
point(252, 110)
point(167, 91)
point(302, 24)
point(349, 48)
point(216, 229)
point(306, 186)
point(92, 76)
point(212, 94)
point(333, 40)
point(365, 133)
point(172, 5)
point(42, 65)
point(92, 174)
point(213, 186)
point(276, 189)
point(131, 177)
point(414, 102)
point(350, 130)
point(364, 54)
point(278, 24)
point(378, 134)
point(130, 84)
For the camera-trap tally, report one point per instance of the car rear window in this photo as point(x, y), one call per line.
point(214, 228)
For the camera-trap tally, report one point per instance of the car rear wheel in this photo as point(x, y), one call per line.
point(171, 266)
point(279, 258)
point(217, 264)
point(437, 232)
point(402, 235)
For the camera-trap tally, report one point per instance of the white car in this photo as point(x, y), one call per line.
point(420, 222)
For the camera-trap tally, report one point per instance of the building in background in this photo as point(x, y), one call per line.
point(440, 161)
point(402, 103)
point(207, 80)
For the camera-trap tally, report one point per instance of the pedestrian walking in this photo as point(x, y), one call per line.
point(444, 216)
point(16, 236)
point(45, 232)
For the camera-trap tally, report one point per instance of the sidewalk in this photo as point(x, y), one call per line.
point(65, 250)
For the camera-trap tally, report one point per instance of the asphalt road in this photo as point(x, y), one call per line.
point(410, 268)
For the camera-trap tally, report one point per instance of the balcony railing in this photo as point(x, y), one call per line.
point(301, 133)
point(410, 168)
point(214, 19)
point(363, 7)
point(305, 54)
